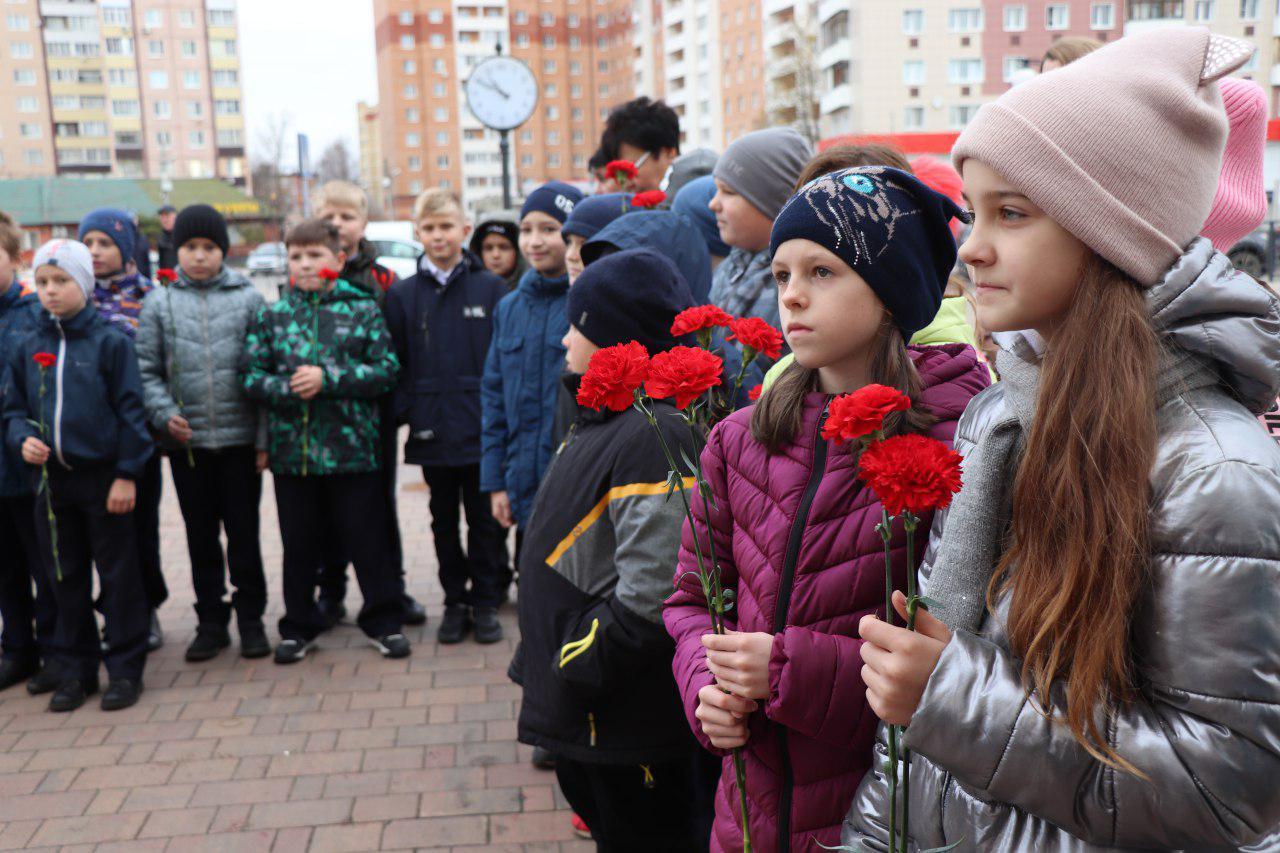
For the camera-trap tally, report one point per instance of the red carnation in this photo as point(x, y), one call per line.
point(852, 416)
point(754, 393)
point(328, 274)
point(698, 319)
point(45, 359)
point(685, 373)
point(620, 171)
point(164, 275)
point(613, 376)
point(648, 198)
point(912, 473)
point(756, 334)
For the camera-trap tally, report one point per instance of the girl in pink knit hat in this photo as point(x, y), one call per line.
point(1099, 667)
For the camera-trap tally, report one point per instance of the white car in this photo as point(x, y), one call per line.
point(400, 256)
point(268, 259)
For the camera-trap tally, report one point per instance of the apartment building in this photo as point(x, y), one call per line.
point(372, 168)
point(126, 88)
point(580, 50)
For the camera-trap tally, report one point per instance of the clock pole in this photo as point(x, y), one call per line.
point(504, 146)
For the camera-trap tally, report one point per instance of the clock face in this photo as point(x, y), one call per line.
point(502, 92)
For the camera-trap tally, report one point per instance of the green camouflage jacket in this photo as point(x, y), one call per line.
point(343, 332)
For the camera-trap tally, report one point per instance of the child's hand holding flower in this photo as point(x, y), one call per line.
point(898, 663)
point(740, 662)
point(35, 451)
point(180, 429)
point(307, 381)
point(723, 717)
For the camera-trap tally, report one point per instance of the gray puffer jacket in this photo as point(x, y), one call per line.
point(190, 345)
point(990, 773)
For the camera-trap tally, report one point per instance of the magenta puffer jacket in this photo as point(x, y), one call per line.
point(795, 537)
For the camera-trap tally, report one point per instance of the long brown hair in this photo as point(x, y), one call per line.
point(776, 418)
point(1078, 551)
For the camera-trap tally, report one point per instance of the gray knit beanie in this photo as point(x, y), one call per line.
point(763, 167)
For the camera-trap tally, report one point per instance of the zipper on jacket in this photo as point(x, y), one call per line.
point(208, 366)
point(789, 560)
point(57, 395)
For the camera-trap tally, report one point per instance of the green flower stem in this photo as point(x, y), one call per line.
point(44, 487)
point(306, 404)
point(891, 769)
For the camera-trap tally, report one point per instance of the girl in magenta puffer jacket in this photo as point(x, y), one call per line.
point(861, 258)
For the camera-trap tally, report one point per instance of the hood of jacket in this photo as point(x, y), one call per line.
point(342, 291)
point(663, 231)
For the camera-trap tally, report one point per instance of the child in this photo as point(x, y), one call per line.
point(319, 359)
point(346, 207)
point(441, 320)
point(691, 203)
point(28, 627)
point(588, 217)
point(497, 244)
point(667, 233)
point(525, 361)
point(190, 343)
point(118, 291)
point(595, 568)
point(92, 439)
point(861, 258)
point(1120, 692)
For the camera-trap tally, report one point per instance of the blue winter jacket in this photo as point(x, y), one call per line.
point(92, 404)
point(663, 231)
point(518, 394)
point(18, 317)
point(442, 336)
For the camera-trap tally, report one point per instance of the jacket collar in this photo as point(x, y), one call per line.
point(75, 326)
point(536, 284)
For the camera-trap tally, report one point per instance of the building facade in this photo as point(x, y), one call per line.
point(373, 173)
point(126, 88)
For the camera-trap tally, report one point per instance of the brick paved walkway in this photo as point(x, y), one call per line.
point(343, 751)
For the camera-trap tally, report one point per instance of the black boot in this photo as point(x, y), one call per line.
point(121, 693)
point(455, 625)
point(44, 681)
point(15, 671)
point(414, 613)
point(72, 693)
point(253, 641)
point(332, 610)
point(210, 639)
point(488, 628)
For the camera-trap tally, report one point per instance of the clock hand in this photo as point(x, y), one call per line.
point(495, 87)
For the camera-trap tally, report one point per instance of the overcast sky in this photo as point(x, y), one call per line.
point(310, 60)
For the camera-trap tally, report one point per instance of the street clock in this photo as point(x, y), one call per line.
point(502, 93)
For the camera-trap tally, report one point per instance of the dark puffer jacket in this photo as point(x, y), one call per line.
point(19, 316)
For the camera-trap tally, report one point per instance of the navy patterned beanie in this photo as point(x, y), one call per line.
point(888, 227)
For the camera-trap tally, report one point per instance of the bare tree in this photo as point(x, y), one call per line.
point(270, 186)
point(795, 81)
point(337, 163)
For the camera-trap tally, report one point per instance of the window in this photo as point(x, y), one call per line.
point(117, 17)
point(410, 91)
point(191, 79)
point(604, 90)
point(1204, 11)
point(186, 19)
point(406, 41)
point(158, 79)
point(406, 19)
point(522, 17)
point(17, 23)
point(1152, 10)
point(226, 108)
point(409, 67)
point(1057, 16)
point(28, 104)
point(961, 115)
point(576, 112)
point(547, 19)
point(575, 91)
point(553, 161)
point(1102, 16)
point(412, 116)
point(224, 78)
point(195, 138)
point(1012, 65)
point(164, 139)
point(548, 41)
point(439, 90)
point(412, 140)
point(549, 67)
point(965, 20)
point(29, 131)
point(913, 72)
point(20, 50)
point(195, 109)
point(1248, 10)
point(155, 47)
point(439, 66)
point(222, 18)
point(436, 16)
point(123, 77)
point(188, 49)
point(230, 138)
point(153, 18)
point(573, 20)
point(1015, 18)
point(442, 113)
point(33, 157)
point(119, 47)
point(526, 159)
point(436, 40)
point(964, 71)
point(162, 109)
point(442, 161)
point(415, 163)
point(553, 113)
point(66, 102)
point(24, 77)
point(125, 108)
point(522, 40)
point(442, 137)
point(549, 90)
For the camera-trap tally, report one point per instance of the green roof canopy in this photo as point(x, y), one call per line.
point(65, 201)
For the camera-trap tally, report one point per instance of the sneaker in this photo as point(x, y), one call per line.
point(71, 694)
point(414, 613)
point(292, 651)
point(580, 828)
point(44, 681)
point(332, 611)
point(393, 646)
point(253, 641)
point(488, 628)
point(14, 672)
point(543, 758)
point(455, 625)
point(121, 693)
point(209, 641)
point(155, 636)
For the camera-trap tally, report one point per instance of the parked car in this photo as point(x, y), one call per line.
point(398, 255)
point(268, 259)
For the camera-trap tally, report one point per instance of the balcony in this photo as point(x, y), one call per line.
point(841, 97)
point(838, 52)
point(828, 9)
point(773, 7)
point(777, 35)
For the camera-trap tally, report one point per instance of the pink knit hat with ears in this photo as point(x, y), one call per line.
point(1122, 148)
point(1241, 202)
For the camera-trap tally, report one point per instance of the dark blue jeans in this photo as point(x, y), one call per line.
point(27, 635)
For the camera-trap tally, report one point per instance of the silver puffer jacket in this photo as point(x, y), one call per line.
point(190, 344)
point(991, 773)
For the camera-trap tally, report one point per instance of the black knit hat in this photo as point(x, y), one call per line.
point(201, 220)
point(508, 230)
point(629, 296)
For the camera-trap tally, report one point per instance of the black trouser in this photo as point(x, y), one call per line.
point(333, 566)
point(669, 808)
point(146, 516)
point(478, 576)
point(220, 493)
point(89, 535)
point(352, 505)
point(27, 635)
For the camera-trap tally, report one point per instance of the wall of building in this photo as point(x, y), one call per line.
point(26, 129)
